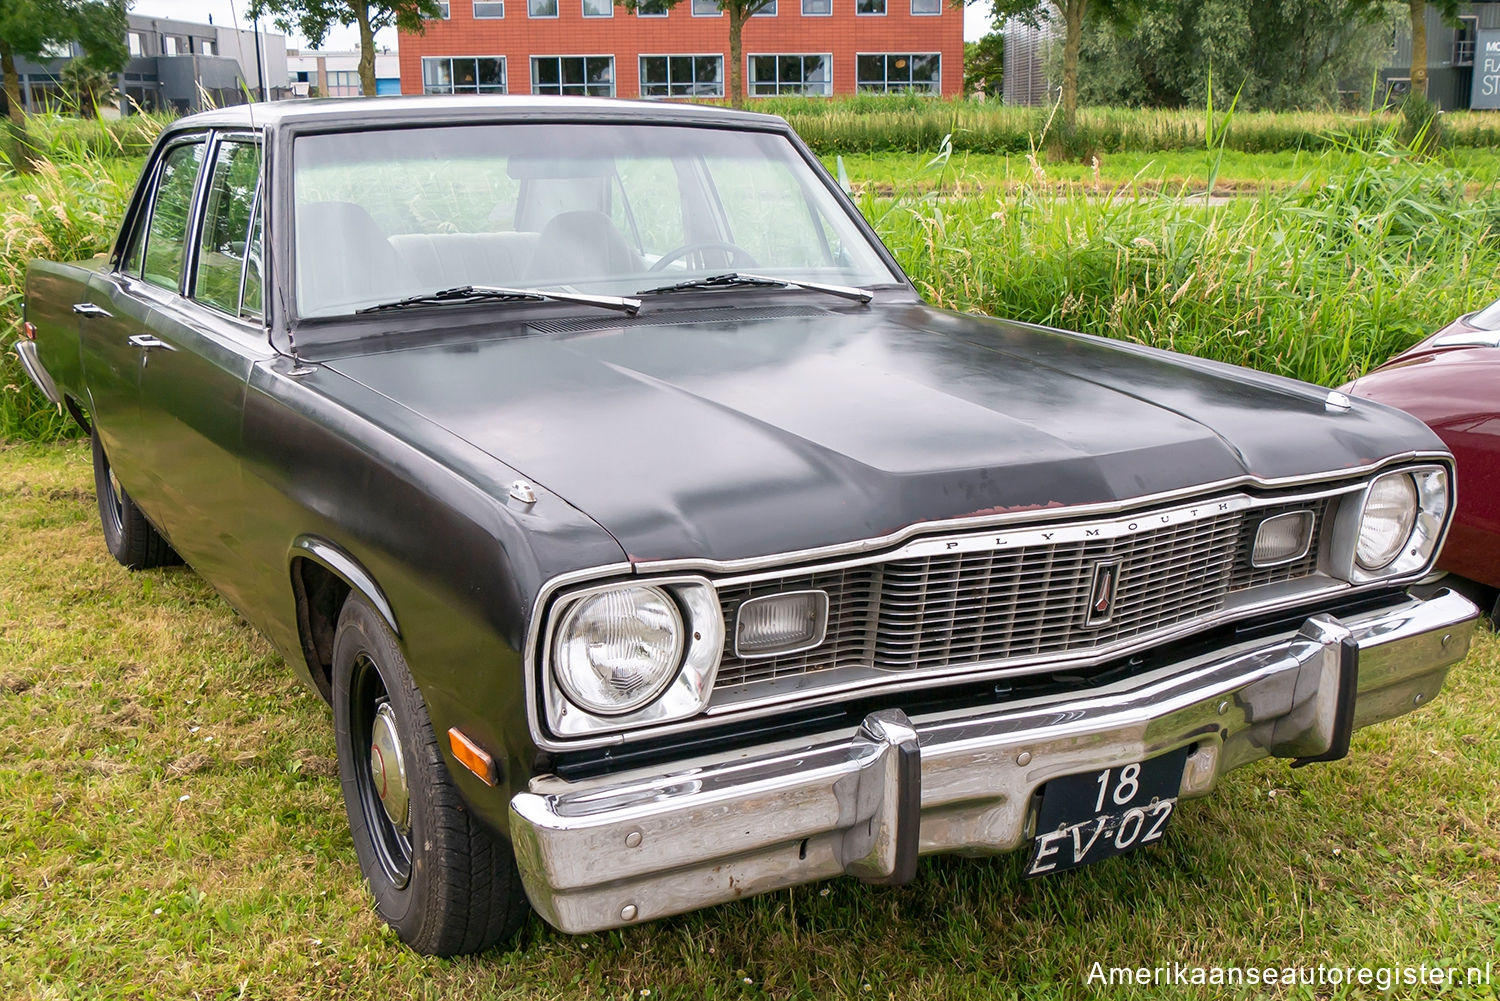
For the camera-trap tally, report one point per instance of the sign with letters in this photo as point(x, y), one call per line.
point(1486, 92)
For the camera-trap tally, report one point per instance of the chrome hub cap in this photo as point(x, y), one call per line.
point(388, 768)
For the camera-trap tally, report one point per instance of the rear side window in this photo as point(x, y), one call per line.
point(166, 236)
point(225, 245)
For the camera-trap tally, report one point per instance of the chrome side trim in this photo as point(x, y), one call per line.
point(39, 375)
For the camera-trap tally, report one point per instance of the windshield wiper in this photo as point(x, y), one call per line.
point(497, 293)
point(739, 279)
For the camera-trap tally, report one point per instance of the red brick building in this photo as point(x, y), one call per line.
point(819, 47)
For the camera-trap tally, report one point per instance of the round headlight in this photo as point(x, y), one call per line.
point(618, 649)
point(1390, 514)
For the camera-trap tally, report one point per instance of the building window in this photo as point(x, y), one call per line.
point(443, 11)
point(682, 76)
point(706, 8)
point(893, 72)
point(541, 8)
point(869, 6)
point(137, 43)
point(817, 8)
point(573, 76)
point(463, 75)
point(598, 8)
point(651, 8)
point(171, 45)
point(343, 83)
point(493, 9)
point(206, 47)
point(769, 10)
point(926, 6)
point(771, 75)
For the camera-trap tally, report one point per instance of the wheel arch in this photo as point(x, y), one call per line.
point(323, 575)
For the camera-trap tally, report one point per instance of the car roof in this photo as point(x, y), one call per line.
point(418, 109)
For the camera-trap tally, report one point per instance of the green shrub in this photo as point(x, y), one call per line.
point(1316, 284)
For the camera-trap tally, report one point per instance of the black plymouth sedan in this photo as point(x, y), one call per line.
point(655, 545)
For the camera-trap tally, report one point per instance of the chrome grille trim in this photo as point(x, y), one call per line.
point(1001, 597)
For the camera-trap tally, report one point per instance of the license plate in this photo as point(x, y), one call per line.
point(1093, 815)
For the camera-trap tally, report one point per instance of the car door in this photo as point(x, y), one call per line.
point(203, 339)
point(115, 314)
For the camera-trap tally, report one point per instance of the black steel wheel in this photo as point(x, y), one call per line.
point(440, 878)
point(132, 540)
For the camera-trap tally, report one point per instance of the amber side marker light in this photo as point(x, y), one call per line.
point(28, 331)
point(471, 756)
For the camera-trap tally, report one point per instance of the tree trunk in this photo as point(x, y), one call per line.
point(1073, 22)
point(1418, 10)
point(366, 50)
point(736, 59)
point(20, 144)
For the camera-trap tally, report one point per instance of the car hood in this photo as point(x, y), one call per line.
point(726, 434)
point(1440, 385)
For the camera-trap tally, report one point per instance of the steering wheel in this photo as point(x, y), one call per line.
point(739, 256)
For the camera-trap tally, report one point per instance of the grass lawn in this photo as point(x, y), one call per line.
point(1170, 171)
point(171, 827)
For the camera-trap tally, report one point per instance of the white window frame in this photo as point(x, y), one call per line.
point(827, 13)
point(750, 83)
point(640, 10)
point(886, 69)
point(669, 56)
point(925, 13)
point(716, 12)
point(475, 5)
point(444, 10)
point(609, 10)
point(885, 6)
point(769, 10)
point(504, 74)
point(556, 12)
point(614, 75)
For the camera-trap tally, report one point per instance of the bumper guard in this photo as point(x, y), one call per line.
point(626, 848)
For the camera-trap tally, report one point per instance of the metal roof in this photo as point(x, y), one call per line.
point(416, 109)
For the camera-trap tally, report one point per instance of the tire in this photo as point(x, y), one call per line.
point(132, 540)
point(444, 882)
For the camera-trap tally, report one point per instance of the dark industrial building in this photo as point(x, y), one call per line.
point(180, 66)
point(1454, 56)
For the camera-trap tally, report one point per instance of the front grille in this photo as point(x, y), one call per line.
point(983, 607)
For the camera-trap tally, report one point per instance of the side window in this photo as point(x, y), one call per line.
point(166, 237)
point(224, 246)
point(251, 297)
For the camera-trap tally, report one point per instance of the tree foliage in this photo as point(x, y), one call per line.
point(313, 19)
point(1416, 12)
point(1273, 53)
point(984, 65)
point(29, 28)
point(1074, 14)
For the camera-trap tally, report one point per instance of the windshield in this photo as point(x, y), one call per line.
point(600, 209)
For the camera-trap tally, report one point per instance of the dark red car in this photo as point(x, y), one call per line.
point(1451, 380)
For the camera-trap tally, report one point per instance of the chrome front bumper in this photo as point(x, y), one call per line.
point(631, 847)
point(33, 366)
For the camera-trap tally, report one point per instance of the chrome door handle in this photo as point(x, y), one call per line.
point(89, 309)
point(147, 341)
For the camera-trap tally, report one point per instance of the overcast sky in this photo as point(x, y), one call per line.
point(976, 20)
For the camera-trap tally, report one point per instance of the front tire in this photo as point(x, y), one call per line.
point(132, 540)
point(439, 877)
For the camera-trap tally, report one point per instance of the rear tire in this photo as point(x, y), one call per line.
point(440, 878)
point(132, 540)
